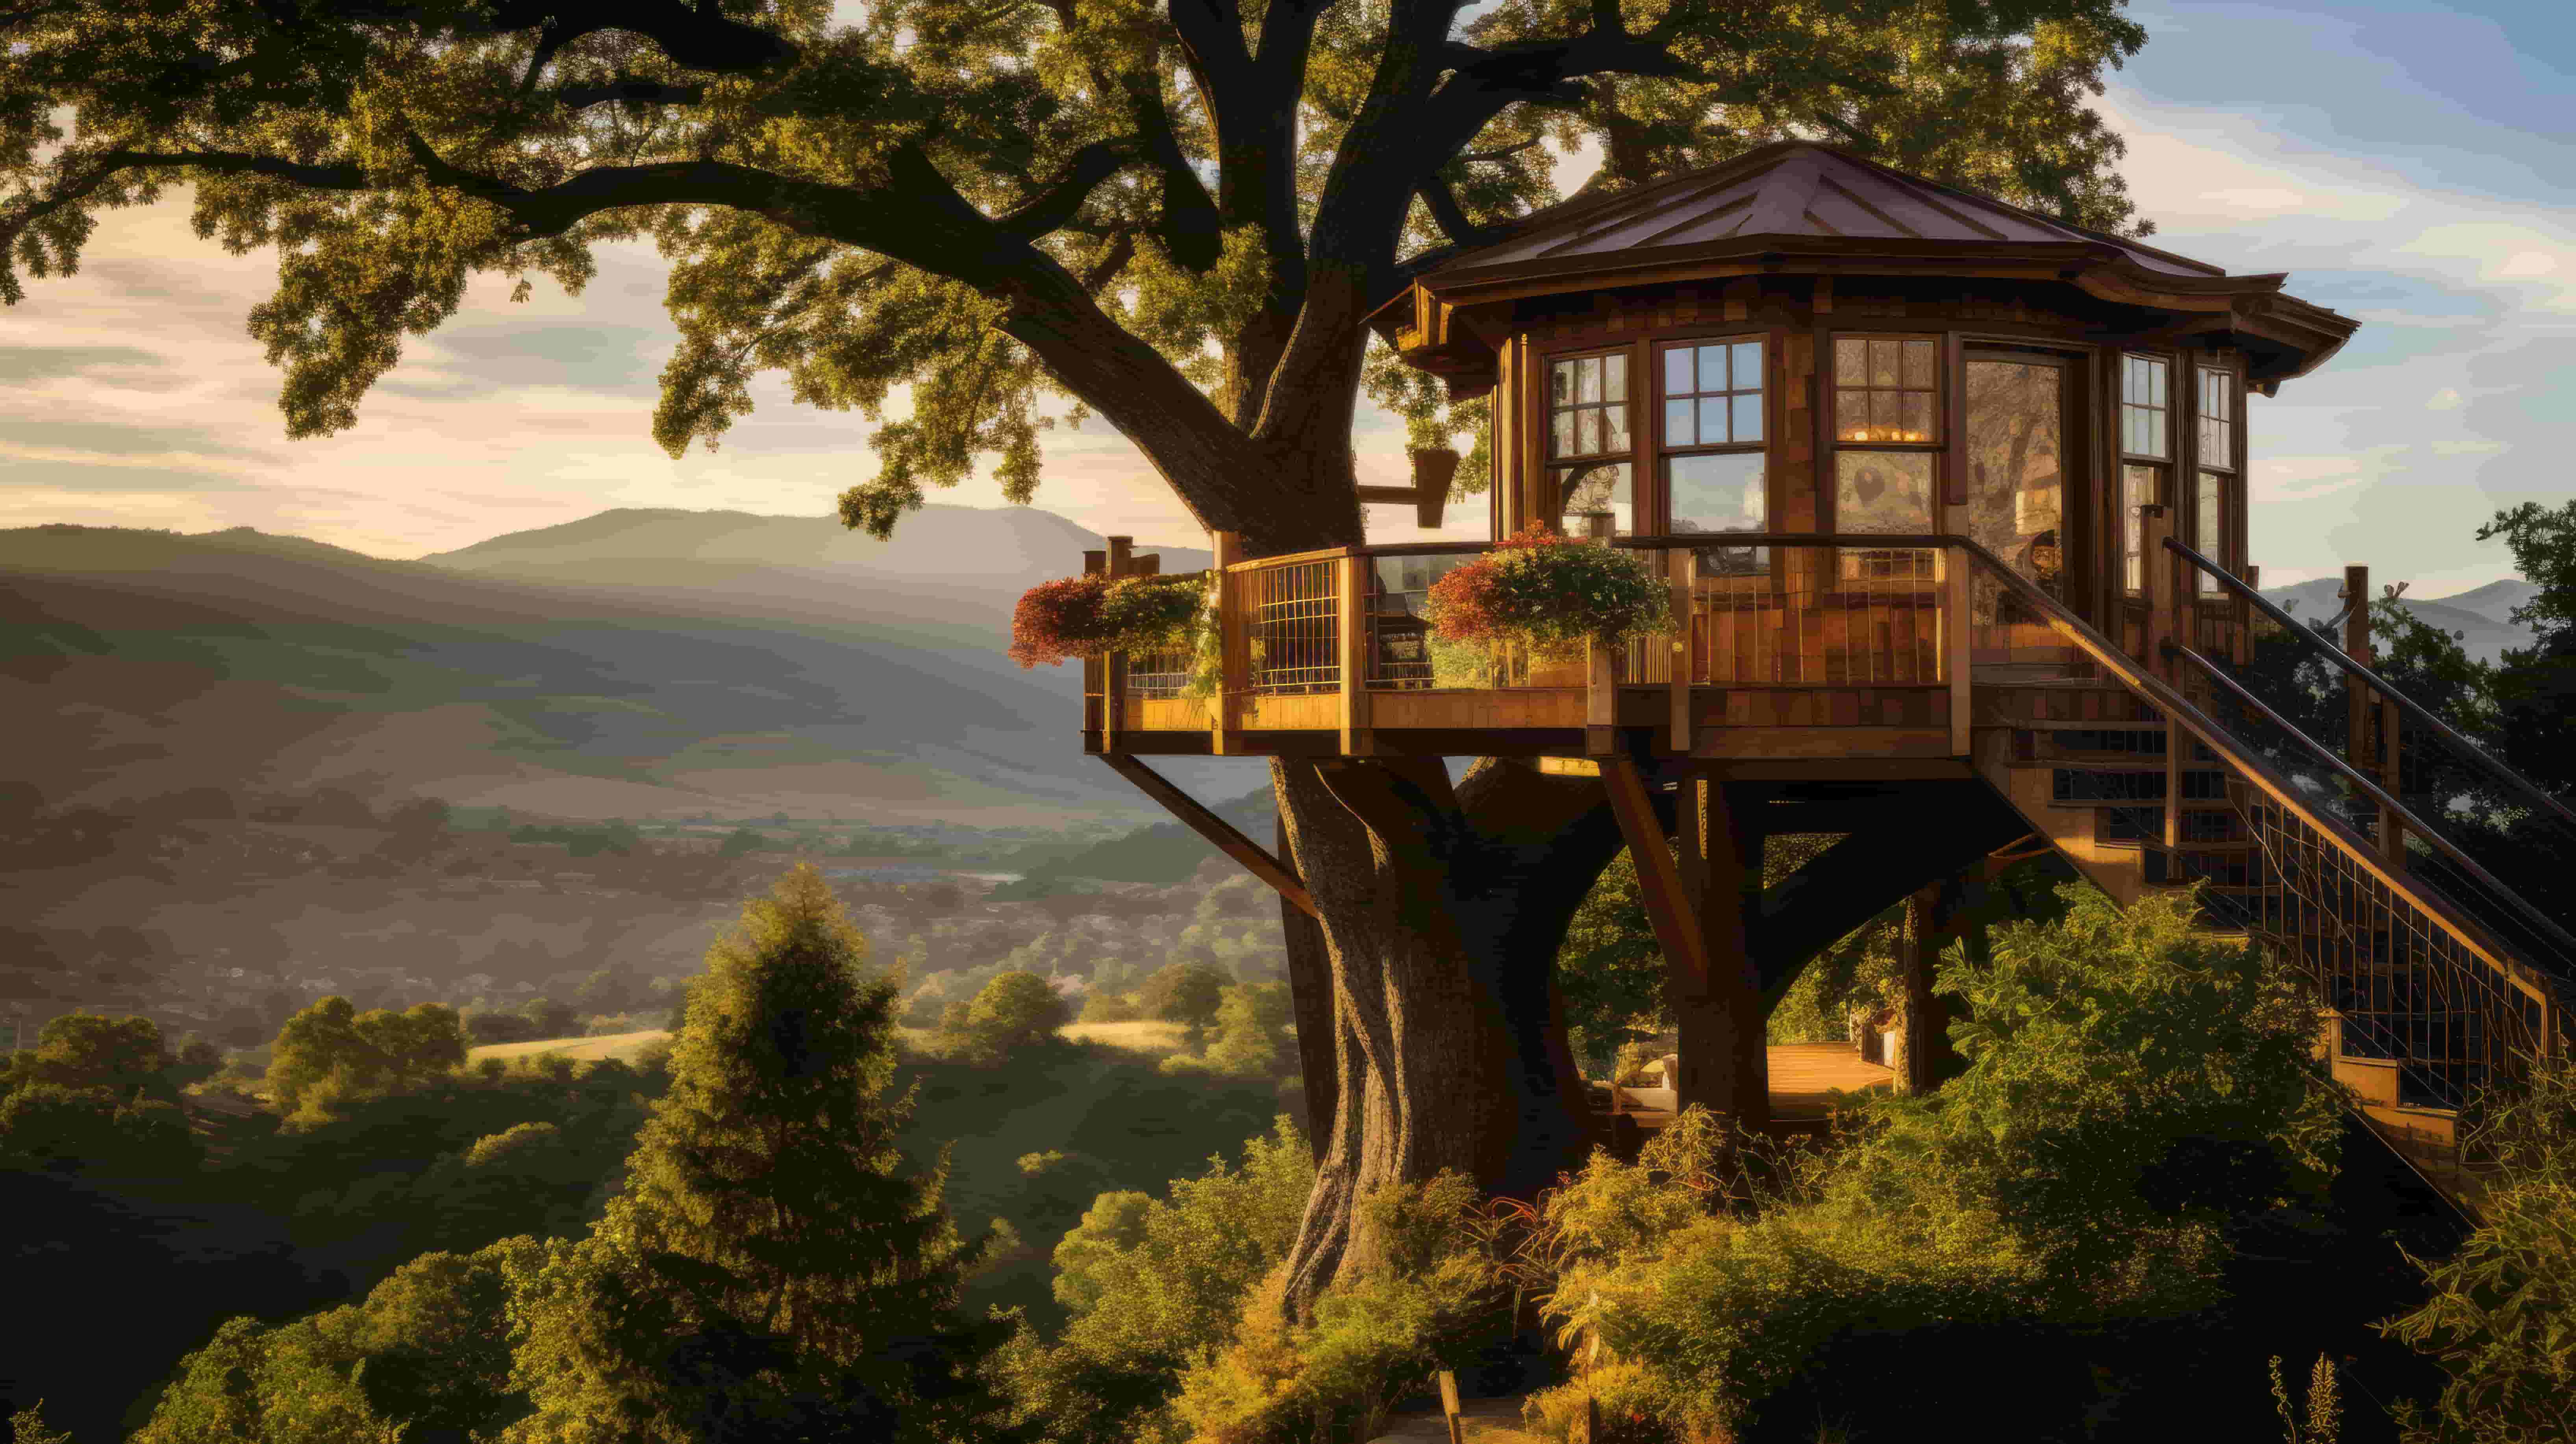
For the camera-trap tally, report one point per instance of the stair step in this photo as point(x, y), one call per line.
point(2109, 764)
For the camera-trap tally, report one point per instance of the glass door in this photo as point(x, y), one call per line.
point(2021, 495)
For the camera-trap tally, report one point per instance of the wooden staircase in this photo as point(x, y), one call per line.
point(2131, 777)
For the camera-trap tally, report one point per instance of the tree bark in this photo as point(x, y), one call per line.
point(1443, 908)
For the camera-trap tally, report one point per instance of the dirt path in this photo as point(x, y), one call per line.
point(1489, 1421)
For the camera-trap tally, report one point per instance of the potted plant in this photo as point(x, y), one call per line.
point(1090, 615)
point(1546, 594)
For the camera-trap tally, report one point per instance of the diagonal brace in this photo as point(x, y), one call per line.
point(1255, 858)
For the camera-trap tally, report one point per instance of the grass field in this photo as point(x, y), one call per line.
point(1151, 1038)
point(615, 1045)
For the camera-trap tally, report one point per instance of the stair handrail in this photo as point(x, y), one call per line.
point(2212, 736)
point(2379, 795)
point(2414, 710)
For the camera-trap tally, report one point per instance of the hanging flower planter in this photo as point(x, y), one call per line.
point(1548, 594)
point(1089, 615)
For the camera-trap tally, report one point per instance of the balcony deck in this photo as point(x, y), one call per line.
point(1797, 647)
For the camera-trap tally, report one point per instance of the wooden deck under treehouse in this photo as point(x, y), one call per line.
point(1949, 498)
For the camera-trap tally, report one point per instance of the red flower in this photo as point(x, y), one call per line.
point(1058, 620)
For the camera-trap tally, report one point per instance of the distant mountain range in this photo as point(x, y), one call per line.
point(2481, 615)
point(634, 664)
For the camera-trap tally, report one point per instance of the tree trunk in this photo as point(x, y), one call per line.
point(1442, 911)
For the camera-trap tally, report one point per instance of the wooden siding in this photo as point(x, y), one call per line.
point(1512, 707)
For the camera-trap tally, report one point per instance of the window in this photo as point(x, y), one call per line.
point(2145, 452)
point(1886, 401)
point(2216, 414)
point(1712, 447)
point(1588, 418)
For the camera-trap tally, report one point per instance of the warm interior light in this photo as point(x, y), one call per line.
point(1885, 433)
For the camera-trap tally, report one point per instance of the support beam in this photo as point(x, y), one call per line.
point(1255, 859)
point(1659, 880)
point(1913, 1062)
point(1725, 1065)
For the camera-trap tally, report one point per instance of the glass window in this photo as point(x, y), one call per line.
point(1713, 394)
point(1886, 491)
point(1599, 500)
point(2137, 489)
point(1720, 491)
point(2218, 419)
point(2209, 527)
point(1884, 388)
point(1588, 406)
point(2143, 406)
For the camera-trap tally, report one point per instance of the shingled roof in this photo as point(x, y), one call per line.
point(1802, 205)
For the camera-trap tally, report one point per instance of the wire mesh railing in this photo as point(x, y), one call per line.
point(1816, 615)
point(1291, 613)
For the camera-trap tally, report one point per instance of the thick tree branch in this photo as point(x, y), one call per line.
point(699, 37)
point(1451, 217)
point(1057, 202)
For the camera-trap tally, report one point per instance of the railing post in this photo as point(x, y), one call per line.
point(1684, 569)
point(1225, 548)
point(1956, 658)
point(1351, 646)
point(1095, 734)
point(2358, 708)
point(2155, 523)
point(2245, 618)
point(1600, 701)
point(1113, 688)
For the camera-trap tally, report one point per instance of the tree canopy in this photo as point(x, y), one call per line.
point(1173, 215)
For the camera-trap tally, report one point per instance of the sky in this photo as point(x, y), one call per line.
point(2403, 162)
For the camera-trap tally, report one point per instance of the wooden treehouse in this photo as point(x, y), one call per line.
point(1950, 498)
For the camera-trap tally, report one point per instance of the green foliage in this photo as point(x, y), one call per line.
point(90, 1130)
point(2498, 1308)
point(125, 1056)
point(1252, 1033)
point(1014, 1011)
point(1380, 1328)
point(769, 1263)
point(1099, 1006)
point(331, 1055)
point(27, 1426)
point(1152, 1284)
point(426, 1355)
point(741, 841)
point(1185, 992)
point(1550, 595)
point(2133, 1094)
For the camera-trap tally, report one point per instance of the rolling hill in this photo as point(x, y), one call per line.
point(2480, 616)
point(635, 664)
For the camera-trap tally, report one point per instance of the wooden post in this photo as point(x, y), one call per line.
point(1600, 702)
point(1913, 1064)
point(1226, 548)
point(1353, 638)
point(1095, 737)
point(1449, 1406)
point(1113, 701)
point(1738, 1076)
point(2358, 708)
point(1955, 656)
point(2155, 523)
point(1685, 575)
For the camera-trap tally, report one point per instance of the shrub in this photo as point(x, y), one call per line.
point(2497, 1314)
point(1550, 594)
point(1185, 993)
point(1106, 1007)
point(1015, 1010)
point(2172, 1066)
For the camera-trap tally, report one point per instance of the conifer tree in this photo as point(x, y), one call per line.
point(773, 1270)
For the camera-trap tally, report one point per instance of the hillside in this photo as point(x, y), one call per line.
point(636, 664)
point(1165, 852)
point(2479, 616)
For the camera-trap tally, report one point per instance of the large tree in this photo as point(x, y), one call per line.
point(1173, 215)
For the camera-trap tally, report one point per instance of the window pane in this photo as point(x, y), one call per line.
point(1851, 415)
point(1561, 383)
point(1747, 372)
point(2156, 382)
point(1587, 430)
point(2209, 528)
point(1918, 364)
point(1712, 368)
point(1882, 415)
point(1883, 491)
point(2133, 379)
point(1720, 493)
point(2213, 443)
point(1748, 417)
point(1677, 371)
point(1596, 496)
point(1712, 420)
point(1851, 363)
point(1678, 430)
point(1587, 379)
point(1564, 439)
point(1918, 415)
point(1615, 378)
point(1614, 423)
point(2137, 489)
point(1883, 362)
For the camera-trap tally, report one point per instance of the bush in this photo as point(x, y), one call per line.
point(2497, 1315)
point(1015, 1010)
point(1185, 993)
point(2118, 1038)
point(1104, 1007)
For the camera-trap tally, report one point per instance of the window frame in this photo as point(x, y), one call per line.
point(2160, 468)
point(1552, 467)
point(2229, 471)
point(1663, 452)
point(1854, 564)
